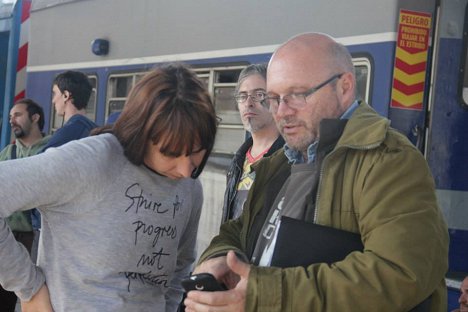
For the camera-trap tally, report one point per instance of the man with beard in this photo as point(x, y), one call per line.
point(264, 140)
point(27, 122)
point(344, 168)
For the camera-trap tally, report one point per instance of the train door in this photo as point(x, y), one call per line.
point(447, 139)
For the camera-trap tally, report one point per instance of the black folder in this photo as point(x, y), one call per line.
point(301, 243)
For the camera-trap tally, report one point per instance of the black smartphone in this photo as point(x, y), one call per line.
point(202, 281)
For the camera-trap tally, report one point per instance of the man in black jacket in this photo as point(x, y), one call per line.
point(264, 140)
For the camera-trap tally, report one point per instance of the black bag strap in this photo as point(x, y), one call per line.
point(13, 152)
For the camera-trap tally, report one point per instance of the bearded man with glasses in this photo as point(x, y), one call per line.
point(345, 168)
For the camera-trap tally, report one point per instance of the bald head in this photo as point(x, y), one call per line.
point(314, 52)
point(312, 77)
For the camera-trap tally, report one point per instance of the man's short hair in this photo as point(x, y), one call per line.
point(33, 108)
point(77, 84)
point(253, 69)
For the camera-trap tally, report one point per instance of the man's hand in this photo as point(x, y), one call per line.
point(40, 302)
point(229, 300)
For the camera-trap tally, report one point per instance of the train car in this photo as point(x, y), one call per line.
point(410, 58)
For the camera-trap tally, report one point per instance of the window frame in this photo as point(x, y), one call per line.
point(366, 62)
point(134, 75)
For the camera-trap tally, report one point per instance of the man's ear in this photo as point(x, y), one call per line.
point(346, 87)
point(66, 95)
point(35, 118)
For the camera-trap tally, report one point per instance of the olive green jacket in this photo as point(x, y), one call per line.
point(21, 221)
point(376, 183)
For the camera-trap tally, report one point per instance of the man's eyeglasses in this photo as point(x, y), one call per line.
point(257, 96)
point(295, 100)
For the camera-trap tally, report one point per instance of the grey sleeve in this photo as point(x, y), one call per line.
point(25, 183)
point(15, 263)
point(46, 181)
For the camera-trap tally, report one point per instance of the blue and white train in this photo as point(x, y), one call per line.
point(410, 57)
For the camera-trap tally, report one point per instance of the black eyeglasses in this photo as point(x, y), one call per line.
point(295, 100)
point(257, 96)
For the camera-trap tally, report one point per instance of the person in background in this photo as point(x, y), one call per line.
point(264, 140)
point(71, 91)
point(120, 208)
point(343, 167)
point(27, 122)
point(463, 300)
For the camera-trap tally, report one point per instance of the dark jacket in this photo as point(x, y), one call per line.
point(77, 127)
point(235, 172)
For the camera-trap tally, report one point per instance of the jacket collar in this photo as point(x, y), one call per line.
point(39, 142)
point(365, 129)
point(279, 143)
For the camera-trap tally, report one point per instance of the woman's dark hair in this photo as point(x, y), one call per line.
point(169, 106)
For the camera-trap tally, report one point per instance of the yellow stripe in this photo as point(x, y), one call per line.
point(409, 79)
point(407, 100)
point(409, 58)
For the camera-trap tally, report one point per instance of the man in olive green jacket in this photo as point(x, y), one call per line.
point(369, 180)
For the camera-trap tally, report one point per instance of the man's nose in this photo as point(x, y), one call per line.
point(463, 299)
point(250, 102)
point(284, 109)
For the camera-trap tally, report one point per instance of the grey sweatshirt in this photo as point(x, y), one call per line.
point(115, 236)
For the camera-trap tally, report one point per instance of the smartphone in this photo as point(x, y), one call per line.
point(202, 281)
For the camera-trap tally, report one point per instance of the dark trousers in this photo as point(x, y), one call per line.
point(8, 298)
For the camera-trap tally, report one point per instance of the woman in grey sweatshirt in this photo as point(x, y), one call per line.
point(120, 209)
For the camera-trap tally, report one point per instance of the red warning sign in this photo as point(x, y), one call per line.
point(409, 73)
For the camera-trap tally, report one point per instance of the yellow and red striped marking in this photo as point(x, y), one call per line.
point(409, 73)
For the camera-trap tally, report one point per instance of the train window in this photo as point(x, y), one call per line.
point(225, 105)
point(57, 121)
point(221, 82)
point(205, 78)
point(116, 106)
point(227, 76)
point(91, 107)
point(362, 69)
point(119, 87)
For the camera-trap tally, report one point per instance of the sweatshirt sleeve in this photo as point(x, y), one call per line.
point(26, 183)
point(46, 181)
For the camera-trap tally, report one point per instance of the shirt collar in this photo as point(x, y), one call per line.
point(295, 157)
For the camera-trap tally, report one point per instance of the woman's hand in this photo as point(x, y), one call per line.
point(40, 302)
